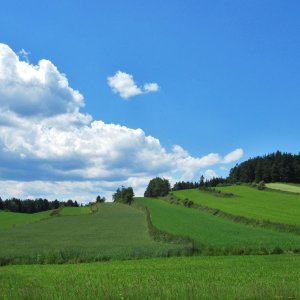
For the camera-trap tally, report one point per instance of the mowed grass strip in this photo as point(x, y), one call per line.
point(286, 187)
point(249, 202)
point(231, 277)
point(11, 219)
point(215, 235)
point(115, 231)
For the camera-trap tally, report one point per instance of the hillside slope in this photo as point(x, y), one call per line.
point(250, 202)
point(115, 231)
point(215, 235)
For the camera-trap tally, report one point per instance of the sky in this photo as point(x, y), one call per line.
point(99, 94)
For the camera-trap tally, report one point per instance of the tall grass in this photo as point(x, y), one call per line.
point(251, 277)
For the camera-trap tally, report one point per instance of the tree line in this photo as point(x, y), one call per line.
point(274, 167)
point(33, 206)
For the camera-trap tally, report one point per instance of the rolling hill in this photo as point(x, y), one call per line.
point(249, 202)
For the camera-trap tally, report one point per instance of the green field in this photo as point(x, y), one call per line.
point(286, 187)
point(249, 202)
point(230, 277)
point(75, 211)
point(11, 219)
point(115, 231)
point(215, 234)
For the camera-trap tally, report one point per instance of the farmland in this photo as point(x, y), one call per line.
point(114, 231)
point(215, 235)
point(286, 187)
point(214, 277)
point(100, 251)
point(250, 202)
point(11, 219)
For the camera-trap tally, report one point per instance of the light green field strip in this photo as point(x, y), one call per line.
point(231, 277)
point(11, 219)
point(251, 203)
point(293, 188)
point(115, 231)
point(215, 232)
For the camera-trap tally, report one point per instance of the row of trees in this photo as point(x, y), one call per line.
point(33, 206)
point(184, 185)
point(275, 167)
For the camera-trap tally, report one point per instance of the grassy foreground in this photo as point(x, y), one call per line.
point(215, 235)
point(230, 277)
point(249, 202)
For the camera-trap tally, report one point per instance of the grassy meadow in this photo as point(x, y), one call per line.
point(286, 187)
point(204, 277)
point(11, 219)
point(110, 251)
point(215, 235)
point(75, 211)
point(113, 231)
point(249, 202)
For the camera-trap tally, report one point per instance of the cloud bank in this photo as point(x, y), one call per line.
point(124, 85)
point(48, 148)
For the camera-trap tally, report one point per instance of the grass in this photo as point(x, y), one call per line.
point(231, 277)
point(114, 231)
point(11, 219)
point(75, 211)
point(249, 202)
point(286, 187)
point(216, 235)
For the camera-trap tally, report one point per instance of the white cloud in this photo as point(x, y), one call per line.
point(61, 152)
point(209, 174)
point(151, 87)
point(123, 84)
point(233, 156)
point(34, 90)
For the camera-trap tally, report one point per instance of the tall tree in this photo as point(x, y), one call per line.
point(124, 195)
point(157, 187)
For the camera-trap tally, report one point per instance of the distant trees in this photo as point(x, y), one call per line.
point(100, 199)
point(275, 167)
point(33, 206)
point(157, 187)
point(123, 195)
point(184, 185)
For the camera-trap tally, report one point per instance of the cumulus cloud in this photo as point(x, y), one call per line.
point(209, 174)
point(34, 90)
point(151, 87)
point(233, 156)
point(49, 148)
point(123, 84)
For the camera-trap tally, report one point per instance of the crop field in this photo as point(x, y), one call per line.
point(215, 277)
point(286, 187)
point(75, 211)
point(249, 202)
point(114, 231)
point(213, 234)
point(11, 219)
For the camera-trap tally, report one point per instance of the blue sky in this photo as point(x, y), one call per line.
point(227, 72)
